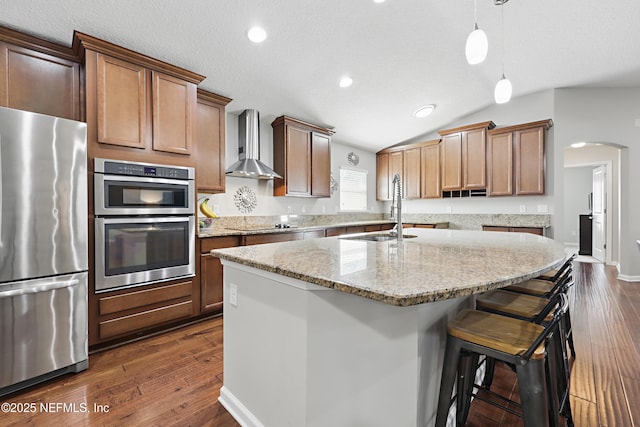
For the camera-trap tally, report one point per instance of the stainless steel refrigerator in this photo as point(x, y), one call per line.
point(43, 248)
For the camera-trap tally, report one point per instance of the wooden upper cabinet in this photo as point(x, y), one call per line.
point(135, 101)
point(463, 157)
point(38, 76)
point(174, 102)
point(473, 160)
point(122, 102)
point(516, 159)
point(320, 165)
point(500, 164)
point(396, 166)
point(452, 162)
point(302, 156)
point(529, 160)
point(411, 182)
point(382, 176)
point(430, 172)
point(209, 141)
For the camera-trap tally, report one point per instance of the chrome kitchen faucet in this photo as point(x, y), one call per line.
point(397, 190)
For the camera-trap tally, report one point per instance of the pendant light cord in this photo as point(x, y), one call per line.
point(502, 34)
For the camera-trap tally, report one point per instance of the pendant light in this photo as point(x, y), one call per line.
point(477, 43)
point(502, 93)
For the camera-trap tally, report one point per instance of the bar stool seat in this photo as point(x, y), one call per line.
point(520, 306)
point(538, 287)
point(530, 347)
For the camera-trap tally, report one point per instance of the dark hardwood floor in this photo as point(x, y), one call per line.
point(174, 379)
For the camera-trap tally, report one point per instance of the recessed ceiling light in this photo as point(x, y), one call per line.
point(424, 111)
point(378, 1)
point(578, 144)
point(346, 81)
point(257, 34)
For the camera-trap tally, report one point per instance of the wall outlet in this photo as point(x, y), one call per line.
point(638, 123)
point(543, 208)
point(233, 295)
point(523, 208)
point(304, 210)
point(449, 209)
point(288, 209)
point(216, 208)
point(324, 209)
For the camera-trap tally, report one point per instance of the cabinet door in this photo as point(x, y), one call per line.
point(320, 165)
point(34, 81)
point(473, 159)
point(210, 142)
point(452, 162)
point(430, 172)
point(211, 283)
point(411, 174)
point(382, 177)
point(395, 167)
point(298, 161)
point(122, 102)
point(529, 161)
point(500, 164)
point(173, 103)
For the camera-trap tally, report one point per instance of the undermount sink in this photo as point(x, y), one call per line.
point(378, 237)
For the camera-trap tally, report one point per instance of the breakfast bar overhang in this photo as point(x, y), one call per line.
point(351, 332)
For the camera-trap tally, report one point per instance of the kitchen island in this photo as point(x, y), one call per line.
point(347, 332)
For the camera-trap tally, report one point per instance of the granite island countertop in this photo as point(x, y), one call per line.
point(436, 265)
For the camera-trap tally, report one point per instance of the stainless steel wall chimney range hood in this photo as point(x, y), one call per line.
point(249, 164)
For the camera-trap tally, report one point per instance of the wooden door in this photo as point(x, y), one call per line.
point(173, 103)
point(395, 167)
point(430, 172)
point(209, 140)
point(500, 164)
point(474, 159)
point(122, 102)
point(320, 165)
point(529, 161)
point(411, 175)
point(599, 213)
point(382, 176)
point(298, 161)
point(40, 83)
point(452, 162)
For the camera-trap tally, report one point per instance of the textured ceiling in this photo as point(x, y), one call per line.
point(402, 54)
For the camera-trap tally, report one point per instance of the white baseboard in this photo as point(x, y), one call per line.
point(628, 278)
point(237, 410)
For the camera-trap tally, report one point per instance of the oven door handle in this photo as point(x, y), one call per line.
point(46, 286)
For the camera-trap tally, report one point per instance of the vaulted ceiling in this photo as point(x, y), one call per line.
point(401, 54)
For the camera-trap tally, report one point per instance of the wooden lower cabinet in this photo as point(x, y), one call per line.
point(125, 313)
point(211, 278)
point(540, 231)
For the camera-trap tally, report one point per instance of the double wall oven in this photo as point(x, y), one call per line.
point(144, 223)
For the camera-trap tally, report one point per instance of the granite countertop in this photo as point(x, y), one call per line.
point(223, 231)
point(438, 264)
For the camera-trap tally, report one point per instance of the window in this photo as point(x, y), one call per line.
point(353, 190)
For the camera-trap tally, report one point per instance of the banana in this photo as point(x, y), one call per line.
point(206, 210)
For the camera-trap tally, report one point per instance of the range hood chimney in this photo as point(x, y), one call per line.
point(249, 164)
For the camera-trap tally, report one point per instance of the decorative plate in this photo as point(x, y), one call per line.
point(353, 159)
point(333, 186)
point(245, 199)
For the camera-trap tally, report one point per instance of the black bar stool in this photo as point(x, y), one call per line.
point(523, 344)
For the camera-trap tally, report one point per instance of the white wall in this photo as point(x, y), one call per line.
point(606, 115)
point(270, 205)
point(578, 185)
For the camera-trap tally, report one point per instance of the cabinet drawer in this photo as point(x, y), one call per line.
point(336, 231)
point(209, 243)
point(313, 234)
point(145, 319)
point(356, 229)
point(257, 239)
point(130, 300)
point(376, 227)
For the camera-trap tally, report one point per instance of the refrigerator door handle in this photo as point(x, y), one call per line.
point(44, 287)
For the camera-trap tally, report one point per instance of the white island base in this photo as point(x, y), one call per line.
point(297, 354)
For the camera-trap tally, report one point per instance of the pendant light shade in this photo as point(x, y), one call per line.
point(477, 46)
point(502, 93)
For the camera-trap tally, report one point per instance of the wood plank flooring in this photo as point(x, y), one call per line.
point(174, 379)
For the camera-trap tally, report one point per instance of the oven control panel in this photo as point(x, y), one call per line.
point(142, 169)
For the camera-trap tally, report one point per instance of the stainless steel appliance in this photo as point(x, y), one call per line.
point(144, 223)
point(43, 248)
